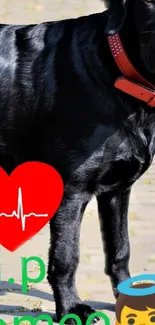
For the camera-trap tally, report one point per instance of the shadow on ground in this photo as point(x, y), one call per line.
point(16, 311)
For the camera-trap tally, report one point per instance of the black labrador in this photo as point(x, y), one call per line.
point(58, 105)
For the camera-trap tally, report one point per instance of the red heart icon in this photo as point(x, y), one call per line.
point(29, 198)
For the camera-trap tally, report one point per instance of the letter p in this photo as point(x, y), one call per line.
point(25, 278)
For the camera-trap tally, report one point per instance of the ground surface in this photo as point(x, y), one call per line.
point(93, 285)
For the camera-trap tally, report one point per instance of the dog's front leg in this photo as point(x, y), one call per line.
point(64, 258)
point(113, 210)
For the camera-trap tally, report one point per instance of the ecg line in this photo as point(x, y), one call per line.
point(20, 213)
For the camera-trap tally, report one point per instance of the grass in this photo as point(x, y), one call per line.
point(37, 306)
point(151, 260)
point(89, 212)
point(34, 7)
point(147, 181)
point(132, 215)
point(86, 258)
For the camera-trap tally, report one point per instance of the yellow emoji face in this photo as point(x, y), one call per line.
point(134, 317)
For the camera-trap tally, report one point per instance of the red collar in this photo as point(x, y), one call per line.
point(131, 82)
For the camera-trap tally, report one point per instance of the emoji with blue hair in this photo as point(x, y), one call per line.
point(136, 301)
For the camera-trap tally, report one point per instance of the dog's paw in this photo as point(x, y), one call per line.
point(83, 311)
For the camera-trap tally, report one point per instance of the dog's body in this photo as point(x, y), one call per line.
point(58, 105)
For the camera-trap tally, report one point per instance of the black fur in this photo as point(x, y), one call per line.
point(58, 105)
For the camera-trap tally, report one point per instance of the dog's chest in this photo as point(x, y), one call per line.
point(116, 163)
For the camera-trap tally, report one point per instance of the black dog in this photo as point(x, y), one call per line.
point(58, 105)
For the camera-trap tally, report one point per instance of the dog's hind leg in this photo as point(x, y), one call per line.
point(113, 210)
point(64, 259)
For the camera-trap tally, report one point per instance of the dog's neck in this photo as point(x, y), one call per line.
point(130, 42)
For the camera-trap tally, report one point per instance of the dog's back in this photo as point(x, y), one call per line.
point(53, 85)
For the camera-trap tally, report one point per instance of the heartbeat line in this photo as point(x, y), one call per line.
point(20, 211)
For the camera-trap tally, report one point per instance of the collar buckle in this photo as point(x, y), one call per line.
point(136, 90)
point(131, 82)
